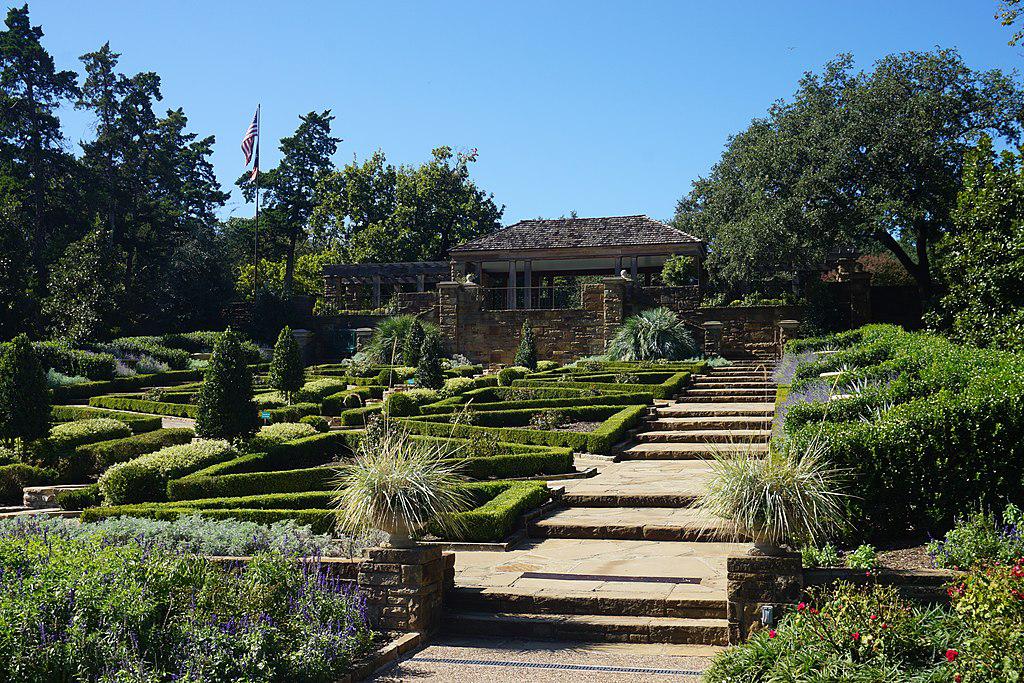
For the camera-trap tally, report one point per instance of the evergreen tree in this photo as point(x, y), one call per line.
point(24, 396)
point(429, 373)
point(226, 406)
point(413, 344)
point(526, 356)
point(286, 372)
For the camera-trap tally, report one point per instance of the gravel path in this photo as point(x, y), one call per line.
point(496, 660)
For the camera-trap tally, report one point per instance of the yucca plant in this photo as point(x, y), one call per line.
point(654, 334)
point(398, 486)
point(777, 498)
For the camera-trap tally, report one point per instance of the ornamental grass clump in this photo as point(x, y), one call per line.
point(399, 486)
point(777, 498)
point(654, 334)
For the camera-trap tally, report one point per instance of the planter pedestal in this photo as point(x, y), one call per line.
point(760, 580)
point(404, 587)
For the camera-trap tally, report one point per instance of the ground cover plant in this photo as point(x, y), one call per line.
point(76, 607)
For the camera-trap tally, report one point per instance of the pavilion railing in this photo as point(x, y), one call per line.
point(531, 298)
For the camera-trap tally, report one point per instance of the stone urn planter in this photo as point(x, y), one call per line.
point(399, 534)
point(764, 546)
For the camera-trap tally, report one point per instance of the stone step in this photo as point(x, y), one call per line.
point(726, 436)
point(716, 382)
point(625, 603)
point(588, 627)
point(687, 451)
point(730, 391)
point(712, 422)
point(721, 409)
point(725, 398)
point(633, 524)
point(629, 500)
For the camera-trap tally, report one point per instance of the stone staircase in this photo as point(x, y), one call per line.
point(642, 504)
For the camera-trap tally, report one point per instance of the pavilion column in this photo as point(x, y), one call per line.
point(421, 282)
point(511, 284)
point(633, 266)
point(376, 291)
point(527, 284)
point(618, 266)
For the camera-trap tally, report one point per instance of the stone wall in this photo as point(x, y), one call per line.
point(750, 331)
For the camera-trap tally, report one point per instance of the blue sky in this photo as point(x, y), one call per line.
point(597, 107)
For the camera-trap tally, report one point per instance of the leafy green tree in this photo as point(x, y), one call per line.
point(226, 409)
point(855, 159)
point(983, 256)
point(85, 288)
point(24, 396)
point(1009, 15)
point(412, 346)
point(17, 309)
point(679, 271)
point(526, 355)
point(381, 213)
point(429, 373)
point(287, 374)
point(31, 92)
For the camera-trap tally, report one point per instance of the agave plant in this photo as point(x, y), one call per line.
point(654, 334)
point(398, 486)
point(776, 499)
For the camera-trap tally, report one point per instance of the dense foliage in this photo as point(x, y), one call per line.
point(526, 354)
point(226, 407)
point(24, 396)
point(287, 373)
point(654, 334)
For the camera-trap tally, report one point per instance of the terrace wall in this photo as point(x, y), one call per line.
point(751, 331)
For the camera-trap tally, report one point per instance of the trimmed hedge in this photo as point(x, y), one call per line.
point(14, 477)
point(496, 515)
point(106, 453)
point(316, 390)
point(273, 434)
point(319, 423)
point(58, 448)
point(75, 362)
point(137, 423)
point(251, 483)
point(358, 417)
point(177, 359)
point(78, 392)
point(508, 376)
point(80, 499)
point(616, 422)
point(348, 399)
point(321, 521)
point(293, 412)
point(639, 398)
point(666, 389)
point(139, 405)
point(145, 478)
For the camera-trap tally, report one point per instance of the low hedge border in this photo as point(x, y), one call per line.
point(496, 517)
point(358, 417)
point(667, 389)
point(106, 453)
point(137, 423)
point(85, 390)
point(639, 398)
point(321, 521)
point(600, 441)
point(294, 412)
point(143, 406)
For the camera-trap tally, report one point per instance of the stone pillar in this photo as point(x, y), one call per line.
point(511, 285)
point(404, 588)
point(756, 582)
point(448, 312)
point(788, 329)
point(633, 266)
point(527, 282)
point(421, 282)
point(850, 273)
point(376, 291)
point(363, 335)
point(712, 337)
point(614, 305)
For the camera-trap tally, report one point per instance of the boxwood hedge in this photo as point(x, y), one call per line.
point(139, 405)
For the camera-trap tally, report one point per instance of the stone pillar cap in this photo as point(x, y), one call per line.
point(713, 323)
point(786, 324)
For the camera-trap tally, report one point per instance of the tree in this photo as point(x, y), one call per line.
point(429, 373)
point(983, 256)
point(290, 188)
point(287, 374)
point(412, 346)
point(85, 288)
point(31, 92)
point(526, 356)
point(24, 396)
point(380, 213)
point(679, 271)
point(854, 160)
point(226, 409)
point(1009, 13)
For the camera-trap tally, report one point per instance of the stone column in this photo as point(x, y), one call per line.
point(633, 266)
point(404, 588)
point(851, 274)
point(363, 335)
point(712, 337)
point(788, 329)
point(614, 305)
point(376, 291)
point(511, 285)
point(527, 284)
point(757, 582)
point(448, 312)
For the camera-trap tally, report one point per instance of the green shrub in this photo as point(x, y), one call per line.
point(385, 345)
point(320, 424)
point(24, 396)
point(456, 386)
point(358, 417)
point(142, 406)
point(526, 354)
point(65, 437)
point(225, 407)
point(825, 556)
point(145, 478)
point(981, 539)
point(412, 344)
point(103, 454)
point(546, 365)
point(79, 499)
point(392, 375)
point(862, 557)
point(990, 615)
point(86, 390)
point(199, 485)
point(273, 434)
point(429, 373)
point(137, 423)
point(286, 372)
point(344, 400)
point(315, 390)
point(507, 376)
point(495, 517)
point(177, 359)
point(654, 334)
point(15, 477)
point(294, 412)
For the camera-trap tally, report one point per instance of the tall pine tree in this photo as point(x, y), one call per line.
point(226, 406)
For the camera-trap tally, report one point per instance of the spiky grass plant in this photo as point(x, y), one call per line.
point(776, 498)
point(654, 334)
point(398, 485)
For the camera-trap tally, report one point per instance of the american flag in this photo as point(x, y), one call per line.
point(251, 142)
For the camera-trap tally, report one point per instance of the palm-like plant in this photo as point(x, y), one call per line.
point(778, 498)
point(654, 334)
point(398, 486)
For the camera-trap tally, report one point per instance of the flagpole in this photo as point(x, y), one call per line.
point(256, 228)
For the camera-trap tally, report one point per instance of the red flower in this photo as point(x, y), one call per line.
point(801, 607)
point(873, 617)
point(951, 655)
point(958, 678)
point(814, 610)
point(855, 635)
point(771, 633)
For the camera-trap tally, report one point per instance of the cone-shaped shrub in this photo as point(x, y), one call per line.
point(225, 406)
point(413, 344)
point(24, 396)
point(286, 372)
point(429, 373)
point(526, 356)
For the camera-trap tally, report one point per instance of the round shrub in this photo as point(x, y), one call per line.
point(400, 404)
point(79, 499)
point(67, 436)
point(456, 386)
point(280, 432)
point(546, 365)
point(317, 389)
point(654, 334)
point(13, 478)
point(511, 374)
point(318, 422)
point(145, 478)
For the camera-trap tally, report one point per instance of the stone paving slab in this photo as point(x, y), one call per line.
point(644, 477)
point(677, 409)
point(683, 451)
point(623, 522)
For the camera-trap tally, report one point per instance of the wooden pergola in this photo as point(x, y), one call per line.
point(347, 279)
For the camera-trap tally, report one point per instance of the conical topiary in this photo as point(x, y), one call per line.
point(286, 372)
point(429, 373)
point(526, 356)
point(24, 396)
point(225, 406)
point(413, 344)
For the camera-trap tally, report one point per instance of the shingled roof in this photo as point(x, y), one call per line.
point(611, 231)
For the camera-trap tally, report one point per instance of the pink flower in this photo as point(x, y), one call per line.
point(801, 607)
point(873, 617)
point(855, 635)
point(771, 633)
